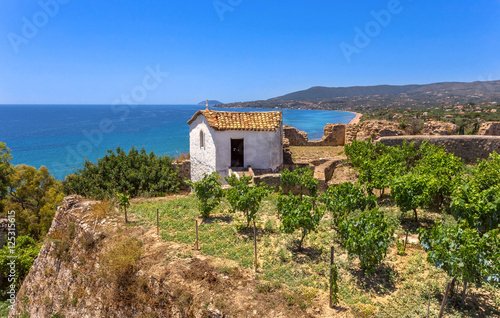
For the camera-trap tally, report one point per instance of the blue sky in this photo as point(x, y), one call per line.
point(96, 52)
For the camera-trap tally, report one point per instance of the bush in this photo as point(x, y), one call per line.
point(347, 197)
point(245, 198)
point(487, 172)
point(135, 173)
point(464, 253)
point(443, 167)
point(209, 193)
point(413, 190)
point(303, 178)
point(297, 213)
point(367, 236)
point(26, 251)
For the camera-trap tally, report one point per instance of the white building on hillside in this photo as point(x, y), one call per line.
point(223, 140)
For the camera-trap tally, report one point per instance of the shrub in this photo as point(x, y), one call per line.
point(245, 198)
point(135, 173)
point(480, 209)
point(464, 253)
point(487, 172)
point(443, 167)
point(367, 236)
point(26, 251)
point(297, 213)
point(347, 197)
point(303, 178)
point(413, 190)
point(209, 193)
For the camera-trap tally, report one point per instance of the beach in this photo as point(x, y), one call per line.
point(356, 119)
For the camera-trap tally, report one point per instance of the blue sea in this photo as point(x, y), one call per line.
point(61, 137)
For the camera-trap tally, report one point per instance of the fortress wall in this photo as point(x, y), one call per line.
point(334, 135)
point(469, 148)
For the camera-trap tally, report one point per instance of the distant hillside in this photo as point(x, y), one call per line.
point(210, 102)
point(364, 98)
point(445, 88)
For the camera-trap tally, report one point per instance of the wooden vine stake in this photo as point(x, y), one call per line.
point(255, 245)
point(429, 305)
point(406, 239)
point(157, 222)
point(197, 241)
point(444, 300)
point(331, 276)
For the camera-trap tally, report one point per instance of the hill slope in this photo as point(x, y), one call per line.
point(445, 88)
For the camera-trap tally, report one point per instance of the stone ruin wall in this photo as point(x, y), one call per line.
point(469, 148)
point(334, 135)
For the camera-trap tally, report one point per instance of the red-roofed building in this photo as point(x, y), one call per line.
point(221, 140)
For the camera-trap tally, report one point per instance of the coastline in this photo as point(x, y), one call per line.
point(356, 119)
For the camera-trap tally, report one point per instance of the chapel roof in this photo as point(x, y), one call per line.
point(251, 121)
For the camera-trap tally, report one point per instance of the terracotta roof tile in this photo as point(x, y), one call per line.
point(252, 121)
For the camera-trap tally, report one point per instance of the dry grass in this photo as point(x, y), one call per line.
point(102, 209)
point(120, 257)
point(305, 154)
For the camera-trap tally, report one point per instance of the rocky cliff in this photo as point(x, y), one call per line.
point(92, 265)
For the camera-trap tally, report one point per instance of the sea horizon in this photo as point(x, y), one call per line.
point(62, 136)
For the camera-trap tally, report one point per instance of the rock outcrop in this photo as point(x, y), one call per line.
point(372, 129)
point(439, 128)
point(491, 128)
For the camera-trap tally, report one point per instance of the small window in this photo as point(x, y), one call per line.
point(202, 139)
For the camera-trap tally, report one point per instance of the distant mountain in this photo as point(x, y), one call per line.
point(445, 88)
point(372, 97)
point(210, 102)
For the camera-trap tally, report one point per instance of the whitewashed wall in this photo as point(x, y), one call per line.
point(262, 149)
point(202, 158)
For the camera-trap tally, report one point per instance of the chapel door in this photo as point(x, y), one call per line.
point(237, 153)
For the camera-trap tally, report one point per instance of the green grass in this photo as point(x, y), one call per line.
point(398, 288)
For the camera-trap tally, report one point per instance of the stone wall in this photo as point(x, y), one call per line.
point(469, 148)
point(293, 137)
point(334, 135)
point(490, 129)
